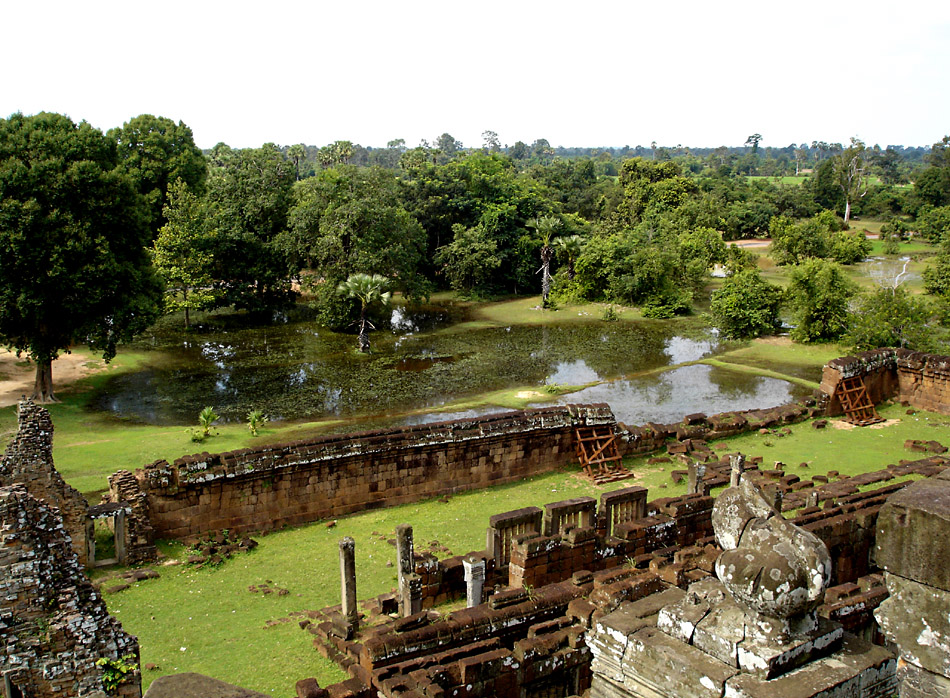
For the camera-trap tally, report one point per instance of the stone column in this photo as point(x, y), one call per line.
point(90, 543)
point(694, 478)
point(812, 499)
point(737, 467)
point(404, 552)
point(474, 580)
point(405, 569)
point(119, 526)
point(411, 594)
point(348, 579)
point(776, 496)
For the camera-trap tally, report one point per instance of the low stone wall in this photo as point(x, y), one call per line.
point(650, 437)
point(917, 379)
point(300, 482)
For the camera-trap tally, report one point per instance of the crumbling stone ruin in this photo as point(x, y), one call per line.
point(569, 598)
point(752, 631)
point(917, 379)
point(327, 477)
point(616, 596)
point(57, 638)
point(28, 460)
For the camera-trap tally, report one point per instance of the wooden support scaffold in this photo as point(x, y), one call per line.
point(856, 403)
point(597, 452)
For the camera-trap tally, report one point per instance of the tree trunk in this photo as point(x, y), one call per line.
point(43, 384)
point(363, 339)
point(847, 210)
point(184, 301)
point(570, 269)
point(546, 253)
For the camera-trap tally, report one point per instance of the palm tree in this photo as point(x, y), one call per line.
point(546, 227)
point(569, 249)
point(369, 290)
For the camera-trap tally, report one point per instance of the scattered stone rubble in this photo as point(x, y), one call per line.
point(581, 579)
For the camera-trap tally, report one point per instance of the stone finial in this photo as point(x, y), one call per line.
point(736, 468)
point(776, 571)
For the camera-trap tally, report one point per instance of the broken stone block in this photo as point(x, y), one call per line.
point(909, 524)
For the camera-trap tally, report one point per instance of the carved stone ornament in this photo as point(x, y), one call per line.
point(776, 571)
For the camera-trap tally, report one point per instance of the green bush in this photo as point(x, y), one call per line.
point(893, 318)
point(746, 305)
point(818, 293)
point(848, 248)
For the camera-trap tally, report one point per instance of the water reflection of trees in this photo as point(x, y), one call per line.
point(297, 369)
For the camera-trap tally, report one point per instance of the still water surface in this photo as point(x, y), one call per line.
point(295, 369)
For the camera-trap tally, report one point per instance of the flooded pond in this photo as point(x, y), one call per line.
point(295, 369)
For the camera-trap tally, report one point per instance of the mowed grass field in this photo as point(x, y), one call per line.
point(212, 621)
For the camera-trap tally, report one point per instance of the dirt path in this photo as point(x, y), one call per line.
point(752, 243)
point(17, 374)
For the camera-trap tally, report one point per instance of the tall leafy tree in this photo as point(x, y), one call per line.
point(369, 290)
point(295, 154)
point(157, 152)
point(250, 193)
point(851, 172)
point(182, 253)
point(569, 248)
point(346, 221)
point(73, 234)
point(485, 192)
point(746, 305)
point(546, 228)
point(469, 260)
point(819, 292)
point(893, 317)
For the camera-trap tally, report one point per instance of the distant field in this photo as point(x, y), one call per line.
point(788, 179)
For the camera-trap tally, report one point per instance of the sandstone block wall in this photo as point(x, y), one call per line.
point(300, 482)
point(650, 437)
point(54, 627)
point(921, 380)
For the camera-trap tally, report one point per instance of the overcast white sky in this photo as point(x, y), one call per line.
point(582, 72)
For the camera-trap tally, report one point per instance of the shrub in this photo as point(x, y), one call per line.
point(255, 420)
point(892, 318)
point(747, 305)
point(818, 294)
point(892, 243)
point(848, 248)
point(206, 419)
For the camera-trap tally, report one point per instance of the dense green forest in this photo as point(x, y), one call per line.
point(254, 228)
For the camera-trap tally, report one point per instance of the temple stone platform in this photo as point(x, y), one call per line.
point(695, 645)
point(749, 632)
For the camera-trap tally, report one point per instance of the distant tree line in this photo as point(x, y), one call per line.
point(103, 232)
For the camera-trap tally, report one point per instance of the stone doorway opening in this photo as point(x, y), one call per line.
point(106, 535)
point(10, 689)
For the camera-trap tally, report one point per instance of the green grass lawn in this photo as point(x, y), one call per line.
point(208, 621)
